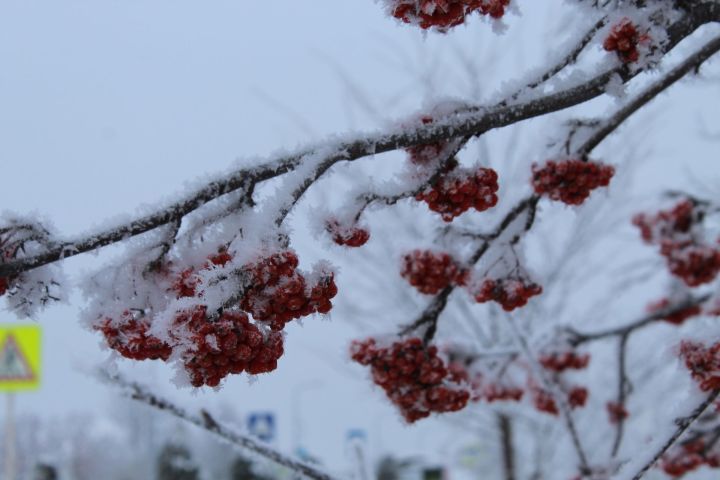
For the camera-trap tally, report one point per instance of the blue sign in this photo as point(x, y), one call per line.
point(262, 425)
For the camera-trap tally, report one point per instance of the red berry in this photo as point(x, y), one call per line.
point(616, 412)
point(129, 338)
point(577, 397)
point(544, 402)
point(561, 361)
point(624, 39)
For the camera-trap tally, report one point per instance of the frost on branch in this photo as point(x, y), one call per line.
point(29, 292)
point(223, 316)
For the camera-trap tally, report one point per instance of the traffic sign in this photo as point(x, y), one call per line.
point(19, 357)
point(262, 425)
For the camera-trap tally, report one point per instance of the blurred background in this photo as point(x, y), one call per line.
point(110, 106)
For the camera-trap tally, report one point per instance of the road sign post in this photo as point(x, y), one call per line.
point(19, 371)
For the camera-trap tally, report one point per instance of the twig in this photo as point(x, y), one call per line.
point(470, 121)
point(208, 423)
point(622, 391)
point(683, 424)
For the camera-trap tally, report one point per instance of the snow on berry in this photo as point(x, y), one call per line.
point(277, 292)
point(425, 154)
point(443, 14)
point(430, 272)
point(413, 377)
point(625, 40)
point(347, 235)
point(510, 293)
point(570, 181)
point(129, 337)
point(457, 191)
point(227, 345)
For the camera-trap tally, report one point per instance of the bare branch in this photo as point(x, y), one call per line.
point(207, 422)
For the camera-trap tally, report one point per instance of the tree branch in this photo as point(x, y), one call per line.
point(206, 422)
point(683, 425)
point(471, 121)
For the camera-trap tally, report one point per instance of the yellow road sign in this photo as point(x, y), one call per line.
point(19, 357)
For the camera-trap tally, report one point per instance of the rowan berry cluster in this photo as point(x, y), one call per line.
point(691, 455)
point(561, 361)
point(577, 397)
point(278, 293)
point(212, 346)
point(347, 235)
point(460, 189)
point(570, 181)
point(544, 402)
point(227, 345)
point(510, 293)
point(679, 316)
point(495, 392)
point(413, 376)
point(689, 257)
point(444, 14)
point(430, 272)
point(616, 412)
point(4, 284)
point(703, 363)
point(625, 39)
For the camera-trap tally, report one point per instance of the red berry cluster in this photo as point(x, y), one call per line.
point(570, 181)
point(430, 272)
point(444, 14)
point(497, 392)
point(510, 293)
point(129, 337)
point(691, 455)
point(679, 316)
point(688, 256)
point(561, 361)
point(214, 346)
point(349, 236)
point(4, 284)
point(624, 39)
point(228, 345)
point(544, 402)
point(461, 189)
point(278, 293)
point(577, 397)
point(413, 376)
point(616, 412)
point(703, 363)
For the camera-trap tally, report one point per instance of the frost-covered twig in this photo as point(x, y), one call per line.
point(683, 424)
point(205, 421)
point(551, 387)
point(691, 63)
point(577, 338)
point(623, 385)
point(470, 121)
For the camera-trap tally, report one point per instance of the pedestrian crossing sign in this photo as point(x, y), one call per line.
point(19, 357)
